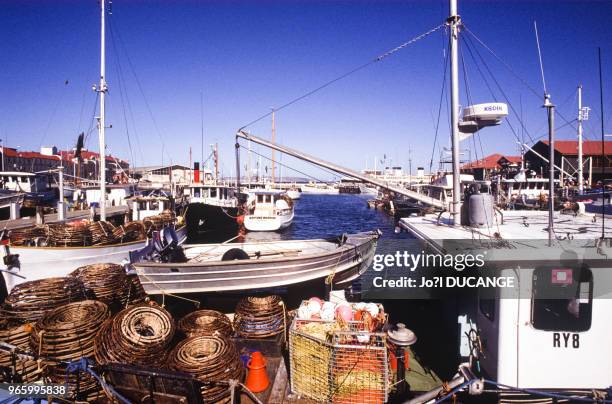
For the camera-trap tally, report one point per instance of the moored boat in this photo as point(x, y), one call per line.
point(268, 211)
point(253, 265)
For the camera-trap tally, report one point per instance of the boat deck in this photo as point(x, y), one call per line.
point(517, 225)
point(522, 235)
point(111, 211)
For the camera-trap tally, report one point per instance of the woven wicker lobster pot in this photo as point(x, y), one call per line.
point(29, 301)
point(210, 359)
point(27, 369)
point(260, 317)
point(139, 335)
point(67, 334)
point(205, 322)
point(334, 364)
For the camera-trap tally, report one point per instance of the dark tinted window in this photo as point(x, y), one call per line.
point(562, 299)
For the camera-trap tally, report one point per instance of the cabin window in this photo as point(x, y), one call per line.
point(260, 198)
point(213, 193)
point(196, 192)
point(562, 299)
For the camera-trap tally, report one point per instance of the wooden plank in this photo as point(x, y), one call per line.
point(279, 386)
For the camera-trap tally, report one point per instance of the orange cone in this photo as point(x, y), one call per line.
point(257, 379)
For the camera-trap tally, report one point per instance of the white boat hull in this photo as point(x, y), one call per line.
point(307, 189)
point(293, 194)
point(47, 262)
point(268, 223)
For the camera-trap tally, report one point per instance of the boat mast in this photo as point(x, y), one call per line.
point(454, 20)
point(101, 121)
point(580, 117)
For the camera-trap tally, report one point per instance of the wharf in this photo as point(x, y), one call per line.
point(418, 378)
point(111, 211)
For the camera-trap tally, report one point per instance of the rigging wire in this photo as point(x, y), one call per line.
point(512, 71)
point(140, 88)
point(442, 92)
point(350, 72)
point(290, 168)
point(122, 90)
point(502, 93)
point(470, 102)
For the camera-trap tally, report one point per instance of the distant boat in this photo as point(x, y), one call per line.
point(319, 188)
point(254, 265)
point(268, 210)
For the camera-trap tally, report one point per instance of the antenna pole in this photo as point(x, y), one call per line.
point(603, 154)
point(551, 166)
point(580, 117)
point(273, 141)
point(101, 121)
point(202, 131)
point(454, 20)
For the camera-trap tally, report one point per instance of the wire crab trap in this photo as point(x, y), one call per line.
point(338, 364)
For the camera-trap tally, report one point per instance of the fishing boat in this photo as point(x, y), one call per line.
point(268, 211)
point(532, 336)
point(264, 264)
point(213, 208)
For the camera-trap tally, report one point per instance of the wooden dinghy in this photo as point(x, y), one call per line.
point(263, 264)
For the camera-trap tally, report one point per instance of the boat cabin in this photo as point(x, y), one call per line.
point(23, 181)
point(217, 195)
point(116, 195)
point(147, 206)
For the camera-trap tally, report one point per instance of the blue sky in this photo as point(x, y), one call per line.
point(246, 57)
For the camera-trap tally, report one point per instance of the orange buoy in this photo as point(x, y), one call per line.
point(240, 220)
point(257, 379)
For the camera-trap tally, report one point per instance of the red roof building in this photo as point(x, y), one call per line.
point(482, 168)
point(31, 161)
point(597, 160)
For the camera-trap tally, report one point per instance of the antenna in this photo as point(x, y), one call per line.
point(535, 27)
